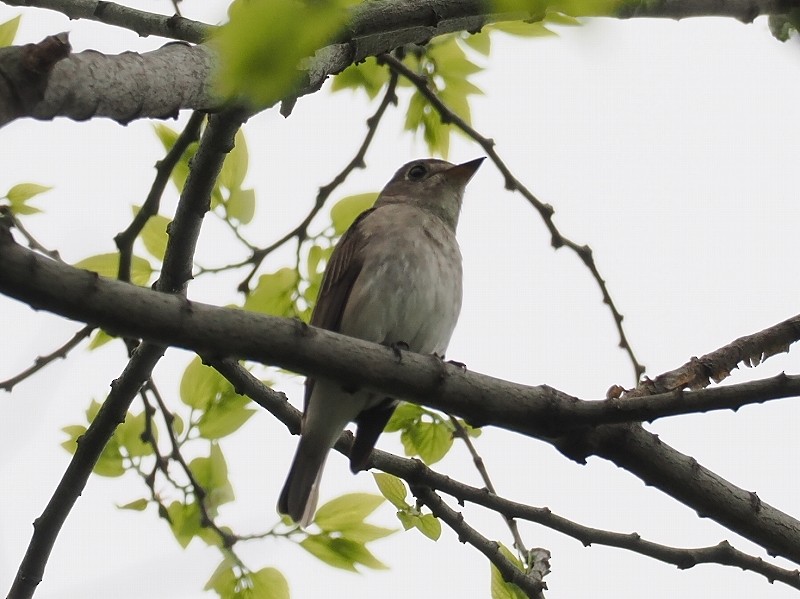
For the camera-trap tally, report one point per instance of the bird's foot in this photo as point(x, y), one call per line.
point(397, 347)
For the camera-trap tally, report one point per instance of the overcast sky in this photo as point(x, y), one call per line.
point(671, 148)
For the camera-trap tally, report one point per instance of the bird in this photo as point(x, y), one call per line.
point(395, 278)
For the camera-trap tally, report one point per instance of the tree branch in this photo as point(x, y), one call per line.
point(217, 141)
point(416, 473)
point(540, 412)
point(90, 84)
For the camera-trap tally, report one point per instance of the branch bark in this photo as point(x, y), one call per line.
point(535, 411)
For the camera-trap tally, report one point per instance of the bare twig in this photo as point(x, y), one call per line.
point(546, 211)
point(42, 361)
point(301, 230)
point(491, 549)
point(749, 350)
point(164, 168)
point(194, 202)
point(462, 434)
point(33, 243)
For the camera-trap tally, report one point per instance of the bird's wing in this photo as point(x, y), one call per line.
point(341, 272)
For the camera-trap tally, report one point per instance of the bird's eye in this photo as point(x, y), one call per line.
point(417, 172)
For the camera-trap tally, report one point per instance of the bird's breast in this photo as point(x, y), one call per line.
point(409, 288)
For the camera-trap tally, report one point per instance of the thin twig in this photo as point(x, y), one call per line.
point(164, 168)
point(194, 202)
point(491, 549)
point(461, 433)
point(301, 230)
point(42, 361)
point(33, 243)
point(546, 211)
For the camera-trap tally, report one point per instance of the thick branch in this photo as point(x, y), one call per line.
point(210, 331)
point(176, 77)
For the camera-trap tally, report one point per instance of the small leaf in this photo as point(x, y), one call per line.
point(273, 293)
point(369, 76)
point(107, 265)
point(347, 510)
point(321, 547)
point(100, 338)
point(269, 583)
point(184, 521)
point(200, 385)
point(241, 205)
point(480, 42)
point(235, 166)
point(22, 192)
point(129, 435)
point(137, 505)
point(392, 488)
point(432, 440)
point(262, 64)
point(223, 580)
point(8, 31)
point(522, 29)
point(24, 209)
point(110, 462)
point(154, 234)
point(430, 526)
point(500, 588)
point(225, 416)
point(211, 473)
point(404, 416)
point(365, 533)
point(345, 211)
point(357, 552)
point(166, 135)
point(74, 431)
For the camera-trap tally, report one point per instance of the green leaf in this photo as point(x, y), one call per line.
point(225, 416)
point(211, 473)
point(154, 234)
point(357, 552)
point(269, 583)
point(430, 526)
point(558, 18)
point(392, 488)
point(430, 440)
point(347, 510)
point(480, 42)
point(451, 61)
point(500, 588)
point(129, 435)
point(273, 293)
point(200, 385)
point(235, 166)
point(24, 209)
point(417, 106)
point(522, 29)
point(241, 205)
point(107, 265)
point(21, 193)
point(435, 134)
point(321, 547)
point(262, 45)
point(99, 339)
point(345, 211)
point(74, 431)
point(166, 135)
point(223, 580)
point(404, 416)
point(138, 505)
point(110, 462)
point(184, 521)
point(92, 410)
point(369, 76)
point(365, 533)
point(8, 31)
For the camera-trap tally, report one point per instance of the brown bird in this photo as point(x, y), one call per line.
point(394, 278)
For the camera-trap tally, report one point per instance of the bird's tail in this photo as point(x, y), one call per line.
point(301, 490)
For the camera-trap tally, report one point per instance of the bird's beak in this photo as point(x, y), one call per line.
point(460, 174)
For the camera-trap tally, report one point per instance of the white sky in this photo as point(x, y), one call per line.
point(670, 148)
